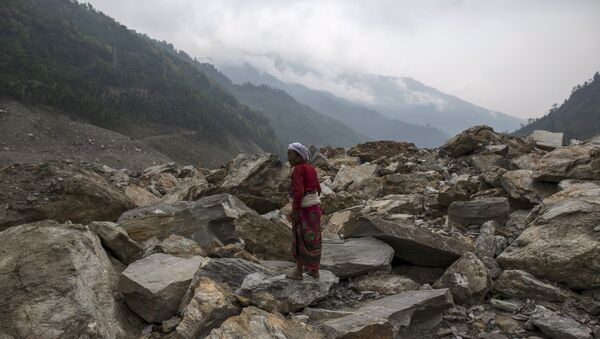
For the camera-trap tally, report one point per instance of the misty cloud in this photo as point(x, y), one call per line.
point(514, 56)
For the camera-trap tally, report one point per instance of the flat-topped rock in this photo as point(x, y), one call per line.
point(569, 162)
point(546, 140)
point(410, 242)
point(392, 316)
point(153, 287)
point(355, 256)
point(476, 212)
point(279, 294)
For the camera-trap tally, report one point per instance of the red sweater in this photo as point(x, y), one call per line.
point(304, 181)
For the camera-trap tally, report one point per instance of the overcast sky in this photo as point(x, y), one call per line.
point(514, 56)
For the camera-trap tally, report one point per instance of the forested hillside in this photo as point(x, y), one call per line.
point(69, 56)
point(578, 117)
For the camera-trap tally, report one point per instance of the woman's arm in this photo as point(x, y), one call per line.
point(298, 187)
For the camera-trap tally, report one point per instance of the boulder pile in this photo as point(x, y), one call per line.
point(489, 236)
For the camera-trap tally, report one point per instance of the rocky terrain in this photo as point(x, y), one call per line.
point(490, 236)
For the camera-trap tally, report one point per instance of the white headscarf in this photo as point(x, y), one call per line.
point(300, 149)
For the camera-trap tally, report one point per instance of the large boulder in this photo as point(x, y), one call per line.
point(477, 212)
point(521, 187)
point(205, 220)
point(470, 140)
point(279, 294)
point(467, 278)
point(561, 243)
point(210, 306)
point(117, 241)
point(410, 183)
point(348, 175)
point(355, 256)
point(570, 162)
point(259, 180)
point(256, 323)
point(373, 150)
point(153, 287)
point(557, 326)
point(266, 239)
point(396, 316)
point(396, 203)
point(545, 139)
point(60, 191)
point(410, 242)
point(180, 246)
point(56, 281)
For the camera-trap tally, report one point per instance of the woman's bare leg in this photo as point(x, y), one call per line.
point(296, 273)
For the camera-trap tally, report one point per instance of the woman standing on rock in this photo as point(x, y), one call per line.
point(306, 213)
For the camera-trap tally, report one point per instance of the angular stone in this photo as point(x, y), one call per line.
point(55, 281)
point(467, 279)
point(114, 238)
point(264, 238)
point(410, 242)
point(523, 285)
point(59, 191)
point(485, 248)
point(181, 247)
point(355, 256)
point(560, 244)
point(153, 287)
point(477, 212)
point(367, 188)
point(373, 150)
point(545, 139)
point(337, 221)
point(385, 283)
point(204, 220)
point(279, 294)
point(210, 306)
point(520, 186)
point(570, 162)
point(353, 175)
point(557, 326)
point(256, 323)
point(392, 316)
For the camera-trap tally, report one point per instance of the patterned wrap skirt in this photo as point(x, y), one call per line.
point(306, 238)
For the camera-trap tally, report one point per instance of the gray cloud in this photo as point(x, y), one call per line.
point(514, 56)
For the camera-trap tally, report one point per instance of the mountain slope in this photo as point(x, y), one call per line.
point(292, 120)
point(361, 119)
point(578, 117)
point(68, 56)
point(404, 99)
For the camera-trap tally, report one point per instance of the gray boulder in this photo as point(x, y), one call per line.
point(266, 239)
point(153, 287)
point(181, 246)
point(523, 285)
point(348, 175)
point(560, 243)
point(384, 283)
point(521, 187)
point(279, 294)
point(477, 212)
point(56, 281)
point(205, 220)
point(545, 139)
point(355, 256)
point(114, 238)
point(417, 245)
point(395, 316)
